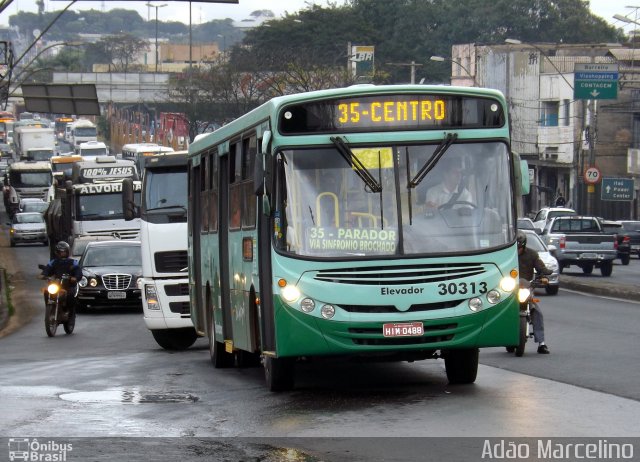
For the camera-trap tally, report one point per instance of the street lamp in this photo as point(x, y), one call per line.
point(156, 7)
point(442, 59)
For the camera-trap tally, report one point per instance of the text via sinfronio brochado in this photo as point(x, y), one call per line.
point(548, 449)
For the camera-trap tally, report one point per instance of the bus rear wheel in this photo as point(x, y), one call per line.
point(219, 357)
point(461, 365)
point(279, 373)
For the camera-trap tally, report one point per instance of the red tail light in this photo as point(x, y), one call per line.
point(615, 242)
point(562, 242)
point(626, 239)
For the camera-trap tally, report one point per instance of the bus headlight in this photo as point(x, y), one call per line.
point(307, 305)
point(290, 293)
point(151, 296)
point(493, 297)
point(475, 304)
point(328, 311)
point(508, 284)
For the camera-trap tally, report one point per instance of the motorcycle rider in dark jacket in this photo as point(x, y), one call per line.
point(62, 265)
point(528, 261)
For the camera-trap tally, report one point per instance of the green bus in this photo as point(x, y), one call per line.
point(313, 229)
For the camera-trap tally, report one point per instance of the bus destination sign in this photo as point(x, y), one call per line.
point(391, 112)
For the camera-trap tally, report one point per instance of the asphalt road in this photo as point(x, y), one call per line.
point(110, 380)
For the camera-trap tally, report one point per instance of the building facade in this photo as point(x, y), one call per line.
point(559, 135)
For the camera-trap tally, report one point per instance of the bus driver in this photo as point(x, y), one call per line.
point(449, 190)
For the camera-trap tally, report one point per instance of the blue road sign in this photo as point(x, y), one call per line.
point(616, 189)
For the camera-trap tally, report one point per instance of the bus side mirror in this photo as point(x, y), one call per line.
point(128, 202)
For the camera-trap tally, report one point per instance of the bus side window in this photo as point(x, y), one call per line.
point(235, 175)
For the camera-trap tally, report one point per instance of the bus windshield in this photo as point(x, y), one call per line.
point(394, 200)
point(101, 206)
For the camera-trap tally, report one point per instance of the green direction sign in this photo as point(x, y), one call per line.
point(616, 189)
point(595, 81)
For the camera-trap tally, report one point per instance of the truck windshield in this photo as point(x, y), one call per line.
point(93, 152)
point(30, 179)
point(165, 199)
point(85, 131)
point(36, 154)
point(462, 204)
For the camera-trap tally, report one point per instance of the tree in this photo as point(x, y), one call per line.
point(118, 51)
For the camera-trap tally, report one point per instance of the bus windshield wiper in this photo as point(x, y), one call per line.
point(356, 164)
point(446, 142)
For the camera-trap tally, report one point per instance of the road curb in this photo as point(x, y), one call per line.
point(600, 286)
point(4, 301)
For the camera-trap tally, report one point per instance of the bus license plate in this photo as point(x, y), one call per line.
point(116, 295)
point(403, 329)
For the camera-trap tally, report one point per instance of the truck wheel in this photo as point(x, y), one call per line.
point(552, 290)
point(606, 268)
point(625, 259)
point(461, 365)
point(587, 268)
point(175, 339)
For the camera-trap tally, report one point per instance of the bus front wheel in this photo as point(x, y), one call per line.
point(279, 373)
point(461, 365)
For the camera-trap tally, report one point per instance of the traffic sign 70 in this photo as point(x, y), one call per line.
point(592, 175)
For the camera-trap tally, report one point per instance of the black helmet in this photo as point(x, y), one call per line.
point(521, 239)
point(63, 248)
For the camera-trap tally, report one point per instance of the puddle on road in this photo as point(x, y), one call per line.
point(127, 397)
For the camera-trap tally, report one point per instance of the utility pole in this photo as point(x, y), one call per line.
point(413, 66)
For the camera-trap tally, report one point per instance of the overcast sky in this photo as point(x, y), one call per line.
point(203, 12)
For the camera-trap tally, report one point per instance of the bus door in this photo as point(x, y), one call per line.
point(223, 256)
point(195, 196)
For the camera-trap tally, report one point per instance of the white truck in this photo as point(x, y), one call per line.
point(164, 239)
point(28, 179)
point(81, 131)
point(91, 202)
point(34, 143)
point(91, 150)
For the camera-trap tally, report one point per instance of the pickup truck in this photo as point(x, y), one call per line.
point(624, 240)
point(581, 241)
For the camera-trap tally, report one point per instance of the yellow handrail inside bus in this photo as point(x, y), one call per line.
point(336, 208)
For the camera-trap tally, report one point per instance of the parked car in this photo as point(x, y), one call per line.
point(27, 228)
point(35, 205)
point(110, 273)
point(545, 214)
point(632, 229)
point(80, 243)
point(546, 255)
point(623, 240)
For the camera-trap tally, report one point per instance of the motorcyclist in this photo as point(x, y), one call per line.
point(62, 265)
point(528, 261)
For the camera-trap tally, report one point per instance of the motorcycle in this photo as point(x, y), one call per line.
point(527, 304)
point(57, 310)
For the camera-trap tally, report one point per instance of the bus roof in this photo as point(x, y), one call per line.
point(65, 159)
point(269, 109)
point(31, 165)
point(146, 147)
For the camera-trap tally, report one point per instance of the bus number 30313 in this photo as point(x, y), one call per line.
point(462, 288)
